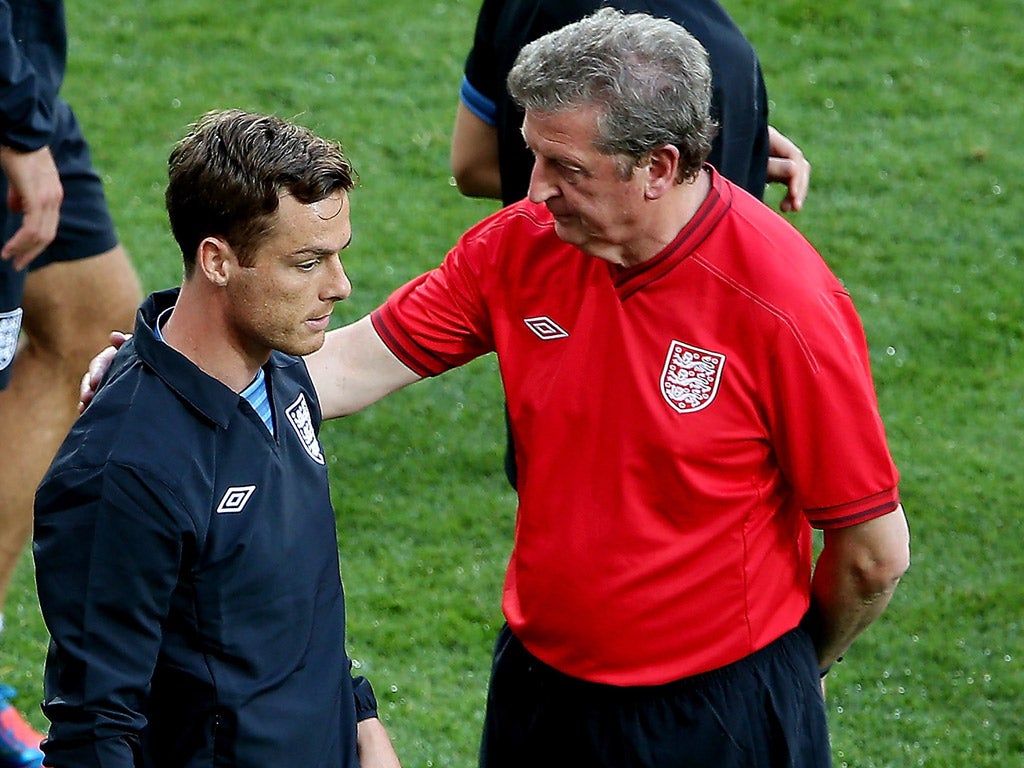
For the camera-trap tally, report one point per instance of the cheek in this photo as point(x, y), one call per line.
point(266, 304)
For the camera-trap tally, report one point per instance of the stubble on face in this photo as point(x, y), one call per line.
point(284, 299)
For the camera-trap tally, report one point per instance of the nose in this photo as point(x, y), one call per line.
point(542, 188)
point(338, 287)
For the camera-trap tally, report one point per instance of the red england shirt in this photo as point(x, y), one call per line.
point(678, 425)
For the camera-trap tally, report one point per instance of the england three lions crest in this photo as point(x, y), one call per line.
point(302, 422)
point(690, 379)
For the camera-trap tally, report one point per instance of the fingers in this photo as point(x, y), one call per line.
point(98, 367)
point(796, 175)
point(86, 390)
point(787, 165)
point(118, 338)
point(34, 188)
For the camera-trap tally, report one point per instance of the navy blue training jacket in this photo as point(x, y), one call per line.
point(187, 566)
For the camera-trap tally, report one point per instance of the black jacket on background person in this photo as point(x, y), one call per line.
point(739, 100)
point(187, 566)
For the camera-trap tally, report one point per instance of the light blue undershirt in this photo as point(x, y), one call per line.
point(255, 393)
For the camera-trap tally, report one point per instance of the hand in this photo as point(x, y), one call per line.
point(787, 165)
point(374, 745)
point(34, 189)
point(98, 367)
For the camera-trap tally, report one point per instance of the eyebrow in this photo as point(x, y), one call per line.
point(314, 251)
point(561, 158)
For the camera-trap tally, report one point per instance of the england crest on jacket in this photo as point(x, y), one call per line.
point(690, 378)
point(302, 422)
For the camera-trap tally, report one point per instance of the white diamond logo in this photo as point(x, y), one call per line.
point(545, 328)
point(235, 498)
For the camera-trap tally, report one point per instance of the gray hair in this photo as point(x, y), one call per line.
point(649, 77)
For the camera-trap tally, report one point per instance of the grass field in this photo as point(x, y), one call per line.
point(911, 113)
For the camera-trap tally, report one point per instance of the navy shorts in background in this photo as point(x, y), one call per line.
point(85, 227)
point(764, 711)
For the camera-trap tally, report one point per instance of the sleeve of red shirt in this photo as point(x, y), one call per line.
point(825, 421)
point(438, 320)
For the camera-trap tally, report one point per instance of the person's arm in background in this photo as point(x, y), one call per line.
point(34, 189)
point(374, 745)
point(26, 123)
point(854, 580)
point(474, 155)
point(787, 165)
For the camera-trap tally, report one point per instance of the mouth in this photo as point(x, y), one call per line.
point(319, 323)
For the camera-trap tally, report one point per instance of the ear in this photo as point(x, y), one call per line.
point(216, 261)
point(662, 165)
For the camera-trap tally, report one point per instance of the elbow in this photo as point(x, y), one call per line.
point(469, 183)
point(465, 185)
point(877, 574)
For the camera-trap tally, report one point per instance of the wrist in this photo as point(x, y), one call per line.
point(827, 668)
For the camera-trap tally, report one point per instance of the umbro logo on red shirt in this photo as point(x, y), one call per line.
point(545, 328)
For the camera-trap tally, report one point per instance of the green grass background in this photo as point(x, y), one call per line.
point(910, 111)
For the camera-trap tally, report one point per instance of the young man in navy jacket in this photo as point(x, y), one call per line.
point(185, 540)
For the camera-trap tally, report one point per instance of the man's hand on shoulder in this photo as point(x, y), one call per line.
point(98, 368)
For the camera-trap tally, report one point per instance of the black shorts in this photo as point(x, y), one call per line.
point(85, 227)
point(761, 712)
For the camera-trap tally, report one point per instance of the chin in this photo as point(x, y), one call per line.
point(300, 347)
point(569, 235)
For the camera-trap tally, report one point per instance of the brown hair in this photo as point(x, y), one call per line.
point(226, 176)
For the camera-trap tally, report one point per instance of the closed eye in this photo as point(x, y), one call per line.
point(571, 173)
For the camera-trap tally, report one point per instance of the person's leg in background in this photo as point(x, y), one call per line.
point(70, 307)
point(81, 288)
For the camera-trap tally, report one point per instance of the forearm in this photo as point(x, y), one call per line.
point(354, 369)
point(854, 580)
point(374, 745)
point(842, 610)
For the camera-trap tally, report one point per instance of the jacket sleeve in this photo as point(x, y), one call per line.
point(26, 115)
point(365, 700)
point(108, 550)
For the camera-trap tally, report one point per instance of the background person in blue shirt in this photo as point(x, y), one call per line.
point(185, 542)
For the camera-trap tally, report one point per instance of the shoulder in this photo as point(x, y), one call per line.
point(522, 216)
point(136, 421)
point(763, 250)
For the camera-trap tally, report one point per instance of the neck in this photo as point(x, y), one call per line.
point(200, 330)
point(667, 216)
